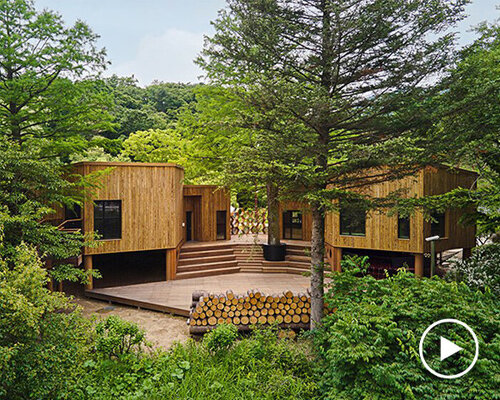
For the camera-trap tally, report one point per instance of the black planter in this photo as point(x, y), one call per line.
point(274, 252)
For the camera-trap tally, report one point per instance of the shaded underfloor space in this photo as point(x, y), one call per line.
point(130, 268)
point(176, 296)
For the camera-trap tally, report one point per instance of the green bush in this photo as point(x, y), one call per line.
point(43, 339)
point(221, 338)
point(259, 367)
point(116, 337)
point(481, 270)
point(369, 345)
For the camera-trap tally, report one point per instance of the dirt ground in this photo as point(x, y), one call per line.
point(162, 330)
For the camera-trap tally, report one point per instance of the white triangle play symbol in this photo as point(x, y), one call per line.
point(448, 348)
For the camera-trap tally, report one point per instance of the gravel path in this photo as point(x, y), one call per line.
point(162, 330)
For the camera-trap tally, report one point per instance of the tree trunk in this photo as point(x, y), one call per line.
point(273, 230)
point(317, 264)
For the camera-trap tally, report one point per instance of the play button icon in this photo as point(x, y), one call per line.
point(448, 348)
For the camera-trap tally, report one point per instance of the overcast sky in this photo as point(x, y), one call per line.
point(158, 39)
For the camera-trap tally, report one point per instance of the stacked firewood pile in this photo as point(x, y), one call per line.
point(286, 309)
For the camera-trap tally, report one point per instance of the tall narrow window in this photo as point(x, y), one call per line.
point(221, 225)
point(292, 225)
point(403, 227)
point(438, 225)
point(352, 220)
point(108, 219)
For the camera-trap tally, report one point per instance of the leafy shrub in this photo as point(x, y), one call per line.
point(43, 338)
point(257, 367)
point(481, 270)
point(221, 338)
point(369, 345)
point(358, 265)
point(116, 337)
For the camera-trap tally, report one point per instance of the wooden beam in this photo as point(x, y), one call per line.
point(87, 264)
point(171, 264)
point(336, 258)
point(419, 265)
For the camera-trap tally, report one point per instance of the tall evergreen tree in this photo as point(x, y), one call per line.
point(344, 75)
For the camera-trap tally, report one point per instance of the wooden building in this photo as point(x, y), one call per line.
point(207, 213)
point(390, 242)
point(142, 214)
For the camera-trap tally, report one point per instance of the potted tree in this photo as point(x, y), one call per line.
point(274, 250)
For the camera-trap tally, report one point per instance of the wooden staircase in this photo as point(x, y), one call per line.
point(205, 260)
point(297, 260)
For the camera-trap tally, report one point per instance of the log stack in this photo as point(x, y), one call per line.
point(288, 310)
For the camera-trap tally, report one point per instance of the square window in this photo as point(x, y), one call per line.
point(438, 225)
point(352, 220)
point(108, 218)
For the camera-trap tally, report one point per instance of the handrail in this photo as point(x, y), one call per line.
point(61, 226)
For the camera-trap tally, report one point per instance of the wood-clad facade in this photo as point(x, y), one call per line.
point(208, 207)
point(151, 202)
point(381, 232)
point(141, 208)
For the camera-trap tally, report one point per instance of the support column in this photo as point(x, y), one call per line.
point(336, 258)
point(419, 265)
point(87, 265)
point(171, 264)
point(466, 253)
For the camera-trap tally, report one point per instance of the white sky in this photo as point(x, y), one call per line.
point(159, 39)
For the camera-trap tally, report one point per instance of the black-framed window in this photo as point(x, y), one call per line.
point(108, 218)
point(292, 225)
point(438, 225)
point(221, 225)
point(352, 220)
point(403, 227)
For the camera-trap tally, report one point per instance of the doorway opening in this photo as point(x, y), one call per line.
point(189, 226)
point(221, 225)
point(292, 225)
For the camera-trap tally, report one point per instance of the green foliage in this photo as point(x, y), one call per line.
point(141, 109)
point(43, 339)
point(369, 345)
point(29, 185)
point(467, 114)
point(258, 367)
point(116, 337)
point(357, 265)
point(46, 90)
point(221, 338)
point(480, 271)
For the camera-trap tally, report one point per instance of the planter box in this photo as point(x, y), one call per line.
point(274, 252)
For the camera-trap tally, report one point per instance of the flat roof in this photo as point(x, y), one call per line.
point(127, 164)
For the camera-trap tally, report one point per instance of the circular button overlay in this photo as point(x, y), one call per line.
point(448, 348)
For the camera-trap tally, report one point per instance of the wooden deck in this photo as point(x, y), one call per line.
point(176, 296)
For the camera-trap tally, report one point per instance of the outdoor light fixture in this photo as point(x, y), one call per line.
point(433, 239)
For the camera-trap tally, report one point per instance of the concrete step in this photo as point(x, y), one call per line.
point(304, 259)
point(204, 253)
point(199, 274)
point(250, 269)
point(207, 266)
point(205, 247)
point(298, 252)
point(283, 270)
point(206, 260)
